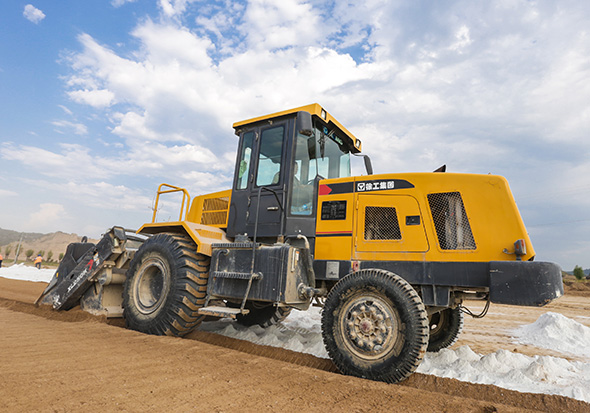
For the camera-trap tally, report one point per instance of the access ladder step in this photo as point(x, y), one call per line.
point(222, 312)
point(235, 275)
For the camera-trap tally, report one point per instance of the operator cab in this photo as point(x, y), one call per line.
point(281, 159)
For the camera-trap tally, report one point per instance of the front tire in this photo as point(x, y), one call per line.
point(375, 326)
point(165, 287)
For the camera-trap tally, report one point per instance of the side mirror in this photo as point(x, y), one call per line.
point(304, 124)
point(311, 147)
point(368, 165)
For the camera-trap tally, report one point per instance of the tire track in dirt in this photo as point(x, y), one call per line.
point(79, 362)
point(83, 363)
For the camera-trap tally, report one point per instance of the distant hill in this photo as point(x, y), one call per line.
point(7, 236)
point(55, 242)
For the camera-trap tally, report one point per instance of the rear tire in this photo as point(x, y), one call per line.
point(445, 328)
point(165, 287)
point(375, 326)
point(263, 315)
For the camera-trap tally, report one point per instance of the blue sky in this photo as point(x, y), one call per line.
point(102, 101)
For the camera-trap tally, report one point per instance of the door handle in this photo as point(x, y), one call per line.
point(272, 208)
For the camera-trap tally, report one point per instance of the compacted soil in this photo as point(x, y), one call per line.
point(71, 361)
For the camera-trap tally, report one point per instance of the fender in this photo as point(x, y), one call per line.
point(202, 235)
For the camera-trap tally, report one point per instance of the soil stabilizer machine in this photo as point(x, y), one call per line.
point(391, 258)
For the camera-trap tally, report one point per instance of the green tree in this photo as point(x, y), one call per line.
point(7, 250)
point(29, 253)
point(49, 255)
point(41, 253)
point(579, 272)
point(61, 256)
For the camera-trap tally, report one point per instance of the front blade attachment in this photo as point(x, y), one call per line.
point(76, 272)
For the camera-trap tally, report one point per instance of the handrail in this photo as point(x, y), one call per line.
point(183, 206)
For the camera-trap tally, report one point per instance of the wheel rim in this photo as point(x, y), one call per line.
point(438, 322)
point(371, 327)
point(151, 285)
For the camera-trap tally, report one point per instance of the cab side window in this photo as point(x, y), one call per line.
point(270, 156)
point(245, 160)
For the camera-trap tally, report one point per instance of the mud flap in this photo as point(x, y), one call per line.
point(525, 283)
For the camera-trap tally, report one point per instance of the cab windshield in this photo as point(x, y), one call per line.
point(325, 154)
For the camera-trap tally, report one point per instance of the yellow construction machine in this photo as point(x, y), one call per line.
point(391, 258)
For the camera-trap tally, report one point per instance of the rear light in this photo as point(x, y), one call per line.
point(519, 248)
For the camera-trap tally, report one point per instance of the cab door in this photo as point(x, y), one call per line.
point(259, 178)
point(389, 223)
point(268, 188)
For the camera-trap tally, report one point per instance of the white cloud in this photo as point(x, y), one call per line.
point(559, 101)
point(271, 24)
point(174, 8)
point(165, 45)
point(79, 164)
point(133, 126)
point(33, 14)
point(107, 195)
point(5, 192)
point(417, 85)
point(73, 161)
point(66, 110)
point(119, 3)
point(46, 217)
point(181, 155)
point(77, 128)
point(95, 98)
point(462, 39)
point(484, 87)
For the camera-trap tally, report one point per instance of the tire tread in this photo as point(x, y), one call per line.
point(187, 293)
point(391, 371)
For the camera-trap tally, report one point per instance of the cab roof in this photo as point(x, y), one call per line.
point(315, 110)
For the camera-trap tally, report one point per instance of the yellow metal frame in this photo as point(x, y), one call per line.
point(185, 197)
point(315, 110)
point(202, 235)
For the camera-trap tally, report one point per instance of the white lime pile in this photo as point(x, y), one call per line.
point(25, 273)
point(557, 332)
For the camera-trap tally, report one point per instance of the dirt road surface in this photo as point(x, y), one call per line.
point(71, 361)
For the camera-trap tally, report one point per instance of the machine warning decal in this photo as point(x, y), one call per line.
point(333, 210)
point(382, 185)
point(339, 188)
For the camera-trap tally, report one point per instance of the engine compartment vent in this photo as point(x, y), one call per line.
point(450, 221)
point(211, 209)
point(215, 204)
point(381, 223)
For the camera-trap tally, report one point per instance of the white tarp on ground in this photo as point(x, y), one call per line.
point(301, 332)
point(26, 273)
